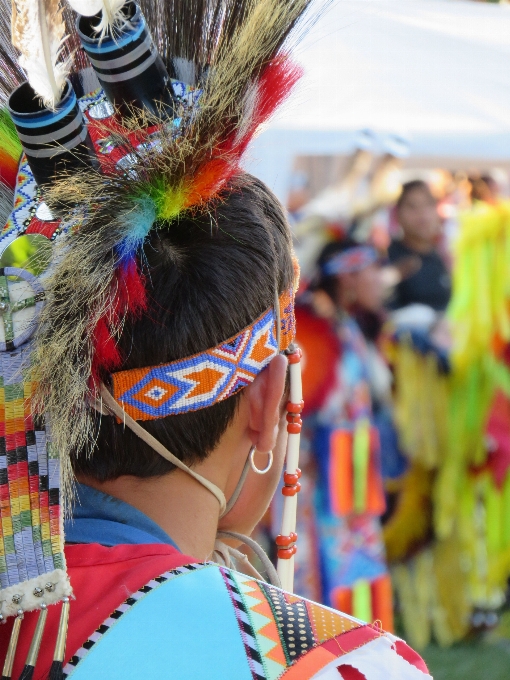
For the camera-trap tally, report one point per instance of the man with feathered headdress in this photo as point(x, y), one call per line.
point(148, 355)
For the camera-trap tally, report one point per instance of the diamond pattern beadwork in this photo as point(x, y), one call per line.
point(206, 378)
point(30, 544)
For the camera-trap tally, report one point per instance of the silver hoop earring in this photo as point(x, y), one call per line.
point(255, 468)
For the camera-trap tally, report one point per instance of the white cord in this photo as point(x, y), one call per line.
point(272, 575)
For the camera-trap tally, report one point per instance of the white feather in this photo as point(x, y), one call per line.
point(38, 32)
point(111, 14)
point(87, 8)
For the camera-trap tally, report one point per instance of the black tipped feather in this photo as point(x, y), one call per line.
point(27, 673)
point(56, 671)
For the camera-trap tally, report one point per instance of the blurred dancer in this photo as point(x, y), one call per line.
point(341, 555)
point(425, 278)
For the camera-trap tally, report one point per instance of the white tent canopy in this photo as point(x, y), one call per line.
point(434, 71)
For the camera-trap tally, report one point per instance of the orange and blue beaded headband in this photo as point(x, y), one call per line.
point(352, 260)
point(207, 377)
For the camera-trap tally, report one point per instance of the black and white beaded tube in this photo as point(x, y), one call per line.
point(53, 141)
point(128, 65)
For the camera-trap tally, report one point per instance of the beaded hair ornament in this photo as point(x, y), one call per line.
point(116, 119)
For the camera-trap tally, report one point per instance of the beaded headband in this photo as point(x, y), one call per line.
point(352, 260)
point(207, 377)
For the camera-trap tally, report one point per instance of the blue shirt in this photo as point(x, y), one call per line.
point(100, 518)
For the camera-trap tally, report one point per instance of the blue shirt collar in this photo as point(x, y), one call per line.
point(100, 518)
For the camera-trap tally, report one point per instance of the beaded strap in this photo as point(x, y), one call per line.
point(286, 540)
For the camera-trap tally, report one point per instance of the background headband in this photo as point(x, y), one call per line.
point(352, 260)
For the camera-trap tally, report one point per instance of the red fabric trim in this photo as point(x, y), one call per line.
point(347, 642)
point(102, 578)
point(38, 226)
point(350, 673)
point(410, 656)
point(320, 656)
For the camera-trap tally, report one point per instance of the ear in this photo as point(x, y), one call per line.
point(264, 401)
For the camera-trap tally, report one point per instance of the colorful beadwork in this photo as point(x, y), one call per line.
point(31, 547)
point(25, 198)
point(206, 378)
point(30, 543)
point(29, 215)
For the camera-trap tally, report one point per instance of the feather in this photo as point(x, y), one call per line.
point(86, 8)
point(112, 16)
point(11, 74)
point(38, 31)
point(190, 31)
point(10, 153)
point(6, 204)
point(71, 48)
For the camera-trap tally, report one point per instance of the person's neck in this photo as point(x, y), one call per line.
point(180, 505)
point(418, 244)
point(346, 305)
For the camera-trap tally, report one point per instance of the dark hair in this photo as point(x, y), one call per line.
point(329, 282)
point(482, 188)
point(409, 187)
point(208, 277)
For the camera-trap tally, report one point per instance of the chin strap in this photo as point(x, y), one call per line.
point(113, 408)
point(223, 553)
point(228, 554)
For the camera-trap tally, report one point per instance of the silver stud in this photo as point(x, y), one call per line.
point(16, 599)
point(3, 306)
point(38, 592)
point(44, 606)
point(50, 587)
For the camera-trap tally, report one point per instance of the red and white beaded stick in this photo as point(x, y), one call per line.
point(286, 540)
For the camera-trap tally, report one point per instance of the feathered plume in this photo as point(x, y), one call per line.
point(71, 47)
point(97, 281)
point(38, 31)
point(11, 74)
point(111, 12)
point(10, 153)
point(187, 34)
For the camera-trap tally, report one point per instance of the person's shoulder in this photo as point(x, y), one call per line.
point(217, 623)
